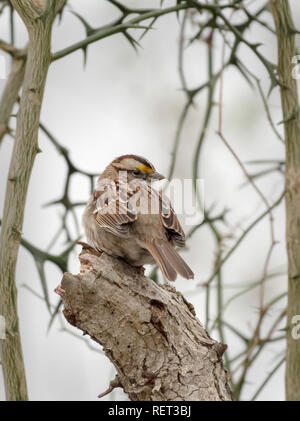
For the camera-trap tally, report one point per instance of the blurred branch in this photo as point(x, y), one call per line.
point(12, 24)
point(269, 376)
point(240, 239)
point(251, 181)
point(245, 290)
point(218, 23)
point(12, 51)
point(40, 257)
point(290, 112)
point(63, 328)
point(112, 29)
point(72, 169)
point(264, 101)
point(255, 342)
point(11, 94)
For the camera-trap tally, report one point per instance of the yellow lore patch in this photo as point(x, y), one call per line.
point(145, 169)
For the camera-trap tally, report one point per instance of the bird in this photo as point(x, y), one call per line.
point(127, 218)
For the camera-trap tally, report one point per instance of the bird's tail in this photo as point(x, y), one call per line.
point(169, 261)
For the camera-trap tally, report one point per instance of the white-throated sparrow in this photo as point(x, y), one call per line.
point(126, 217)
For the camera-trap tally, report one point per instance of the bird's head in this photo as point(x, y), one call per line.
point(136, 167)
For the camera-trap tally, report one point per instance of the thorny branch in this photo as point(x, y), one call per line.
point(212, 24)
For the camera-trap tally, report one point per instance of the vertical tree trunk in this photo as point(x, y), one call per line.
point(290, 109)
point(38, 17)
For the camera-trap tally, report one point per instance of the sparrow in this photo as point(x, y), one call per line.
point(127, 218)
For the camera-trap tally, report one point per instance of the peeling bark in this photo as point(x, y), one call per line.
point(148, 331)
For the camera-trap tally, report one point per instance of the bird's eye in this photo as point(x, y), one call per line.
point(136, 173)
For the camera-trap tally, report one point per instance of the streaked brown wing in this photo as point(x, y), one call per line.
point(113, 215)
point(171, 222)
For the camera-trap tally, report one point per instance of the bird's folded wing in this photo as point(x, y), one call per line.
point(171, 222)
point(114, 216)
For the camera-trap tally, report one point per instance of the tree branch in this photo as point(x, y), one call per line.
point(290, 110)
point(38, 18)
point(11, 93)
point(115, 29)
point(148, 331)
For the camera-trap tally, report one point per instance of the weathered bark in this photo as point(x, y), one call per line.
point(38, 17)
point(290, 109)
point(148, 331)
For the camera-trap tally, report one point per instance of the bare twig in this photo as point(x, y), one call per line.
point(113, 384)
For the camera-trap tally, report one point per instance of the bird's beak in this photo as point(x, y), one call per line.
point(157, 176)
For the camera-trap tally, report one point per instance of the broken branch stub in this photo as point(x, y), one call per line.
point(148, 331)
